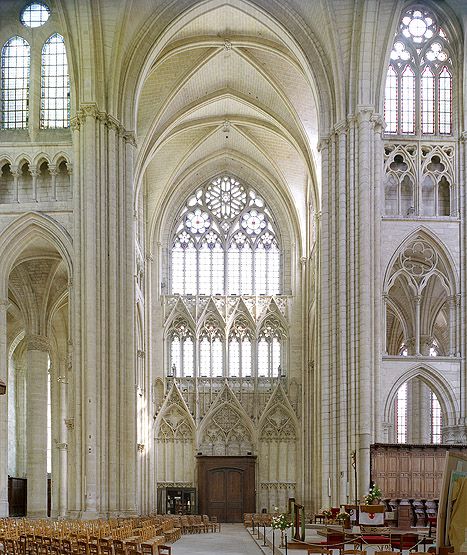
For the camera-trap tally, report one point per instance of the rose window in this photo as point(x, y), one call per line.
point(197, 221)
point(254, 222)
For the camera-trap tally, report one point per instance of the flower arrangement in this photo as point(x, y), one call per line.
point(281, 521)
point(342, 517)
point(326, 512)
point(374, 494)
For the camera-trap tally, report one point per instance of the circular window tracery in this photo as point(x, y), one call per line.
point(35, 14)
point(225, 242)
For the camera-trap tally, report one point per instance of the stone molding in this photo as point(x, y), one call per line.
point(278, 485)
point(91, 110)
point(161, 485)
point(37, 343)
point(455, 435)
point(70, 423)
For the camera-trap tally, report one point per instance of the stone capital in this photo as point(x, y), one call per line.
point(364, 113)
point(70, 423)
point(37, 343)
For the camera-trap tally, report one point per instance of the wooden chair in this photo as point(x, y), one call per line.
point(312, 549)
point(374, 536)
point(216, 524)
point(404, 542)
point(164, 550)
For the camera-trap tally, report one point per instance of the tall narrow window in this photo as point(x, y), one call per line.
point(211, 357)
point(390, 103)
point(436, 419)
point(428, 101)
point(181, 350)
point(408, 101)
point(240, 350)
point(445, 101)
point(418, 92)
point(15, 84)
point(270, 349)
point(55, 84)
point(401, 414)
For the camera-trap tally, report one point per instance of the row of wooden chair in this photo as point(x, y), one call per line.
point(54, 546)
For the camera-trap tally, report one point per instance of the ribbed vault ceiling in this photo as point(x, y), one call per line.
point(226, 88)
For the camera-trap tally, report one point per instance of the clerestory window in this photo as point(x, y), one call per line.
point(419, 81)
point(225, 243)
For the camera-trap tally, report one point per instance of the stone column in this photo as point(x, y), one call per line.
point(15, 172)
point(364, 296)
point(34, 173)
point(417, 325)
point(53, 177)
point(4, 410)
point(452, 325)
point(37, 347)
point(384, 324)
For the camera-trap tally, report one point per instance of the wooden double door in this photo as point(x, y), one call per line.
point(226, 487)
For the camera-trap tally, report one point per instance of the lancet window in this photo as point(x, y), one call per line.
point(15, 63)
point(225, 243)
point(55, 84)
point(419, 80)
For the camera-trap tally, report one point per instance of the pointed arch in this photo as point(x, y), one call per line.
point(15, 238)
point(174, 421)
point(447, 269)
point(226, 429)
point(278, 419)
point(435, 381)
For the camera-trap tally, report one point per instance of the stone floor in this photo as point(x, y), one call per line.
point(233, 539)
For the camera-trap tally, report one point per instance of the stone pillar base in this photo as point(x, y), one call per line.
point(4, 508)
point(37, 514)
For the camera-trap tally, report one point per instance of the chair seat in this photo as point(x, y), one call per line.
point(376, 539)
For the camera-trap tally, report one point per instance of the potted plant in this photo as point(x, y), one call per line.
point(343, 519)
point(373, 496)
point(281, 522)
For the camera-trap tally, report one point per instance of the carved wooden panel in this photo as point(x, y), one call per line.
point(406, 471)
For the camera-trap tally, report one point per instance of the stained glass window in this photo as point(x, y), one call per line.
point(15, 84)
point(55, 84)
point(35, 14)
point(240, 359)
point(418, 92)
point(428, 101)
point(211, 359)
point(401, 414)
point(436, 419)
point(225, 243)
point(181, 350)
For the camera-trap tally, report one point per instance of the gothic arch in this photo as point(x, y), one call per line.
point(15, 238)
point(424, 234)
point(174, 418)
point(279, 410)
point(275, 189)
point(226, 429)
point(435, 381)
